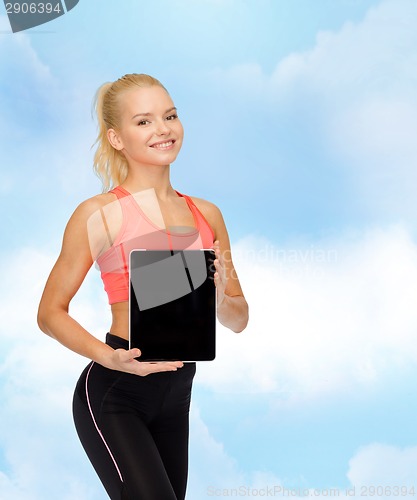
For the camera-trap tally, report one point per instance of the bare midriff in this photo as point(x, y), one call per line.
point(120, 319)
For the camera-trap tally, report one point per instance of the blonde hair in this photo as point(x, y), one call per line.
point(109, 164)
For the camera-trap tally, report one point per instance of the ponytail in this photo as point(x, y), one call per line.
point(109, 164)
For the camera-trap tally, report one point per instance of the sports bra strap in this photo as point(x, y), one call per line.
point(106, 226)
point(119, 192)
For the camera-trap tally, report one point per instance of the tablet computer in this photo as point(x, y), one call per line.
point(172, 304)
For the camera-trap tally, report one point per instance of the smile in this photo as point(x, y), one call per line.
point(163, 145)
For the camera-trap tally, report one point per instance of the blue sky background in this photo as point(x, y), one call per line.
point(301, 121)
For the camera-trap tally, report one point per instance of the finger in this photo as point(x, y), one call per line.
point(219, 277)
point(131, 354)
point(135, 352)
point(128, 355)
point(216, 247)
point(163, 365)
point(153, 368)
point(168, 368)
point(174, 364)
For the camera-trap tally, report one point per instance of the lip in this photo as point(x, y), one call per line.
point(156, 144)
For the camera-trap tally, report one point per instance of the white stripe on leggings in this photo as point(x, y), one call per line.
point(96, 426)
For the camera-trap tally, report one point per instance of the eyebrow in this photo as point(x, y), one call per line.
point(150, 114)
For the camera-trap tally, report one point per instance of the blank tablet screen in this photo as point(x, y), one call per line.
point(172, 304)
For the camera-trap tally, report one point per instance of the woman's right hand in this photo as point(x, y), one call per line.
point(124, 361)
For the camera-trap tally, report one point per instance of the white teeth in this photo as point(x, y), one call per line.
point(163, 145)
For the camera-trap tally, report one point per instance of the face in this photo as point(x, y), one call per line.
point(150, 131)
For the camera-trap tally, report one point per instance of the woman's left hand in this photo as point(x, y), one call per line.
point(220, 273)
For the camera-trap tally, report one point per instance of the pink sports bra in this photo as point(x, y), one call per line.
point(138, 231)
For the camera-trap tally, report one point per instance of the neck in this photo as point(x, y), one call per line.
point(152, 177)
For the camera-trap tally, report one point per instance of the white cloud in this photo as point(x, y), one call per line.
point(209, 462)
point(24, 274)
point(356, 90)
point(384, 465)
point(336, 315)
point(374, 55)
point(376, 470)
point(213, 470)
point(49, 115)
point(27, 82)
point(17, 51)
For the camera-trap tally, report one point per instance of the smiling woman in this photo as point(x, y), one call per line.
point(132, 416)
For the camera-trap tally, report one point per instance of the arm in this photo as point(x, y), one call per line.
point(232, 308)
point(64, 281)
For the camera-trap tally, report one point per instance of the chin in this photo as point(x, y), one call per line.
point(166, 158)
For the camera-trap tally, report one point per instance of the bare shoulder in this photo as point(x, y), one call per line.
point(88, 210)
point(207, 208)
point(93, 204)
point(213, 216)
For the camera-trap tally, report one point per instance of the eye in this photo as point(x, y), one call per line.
point(143, 122)
point(172, 117)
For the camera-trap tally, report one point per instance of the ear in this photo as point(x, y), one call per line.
point(115, 139)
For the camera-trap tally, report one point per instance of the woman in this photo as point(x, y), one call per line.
point(132, 416)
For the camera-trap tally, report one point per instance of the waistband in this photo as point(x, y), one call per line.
point(116, 342)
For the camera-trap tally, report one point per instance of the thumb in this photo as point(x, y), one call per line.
point(134, 353)
point(128, 355)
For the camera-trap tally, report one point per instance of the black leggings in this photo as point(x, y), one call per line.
point(135, 429)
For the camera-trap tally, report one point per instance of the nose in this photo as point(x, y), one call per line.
point(162, 127)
